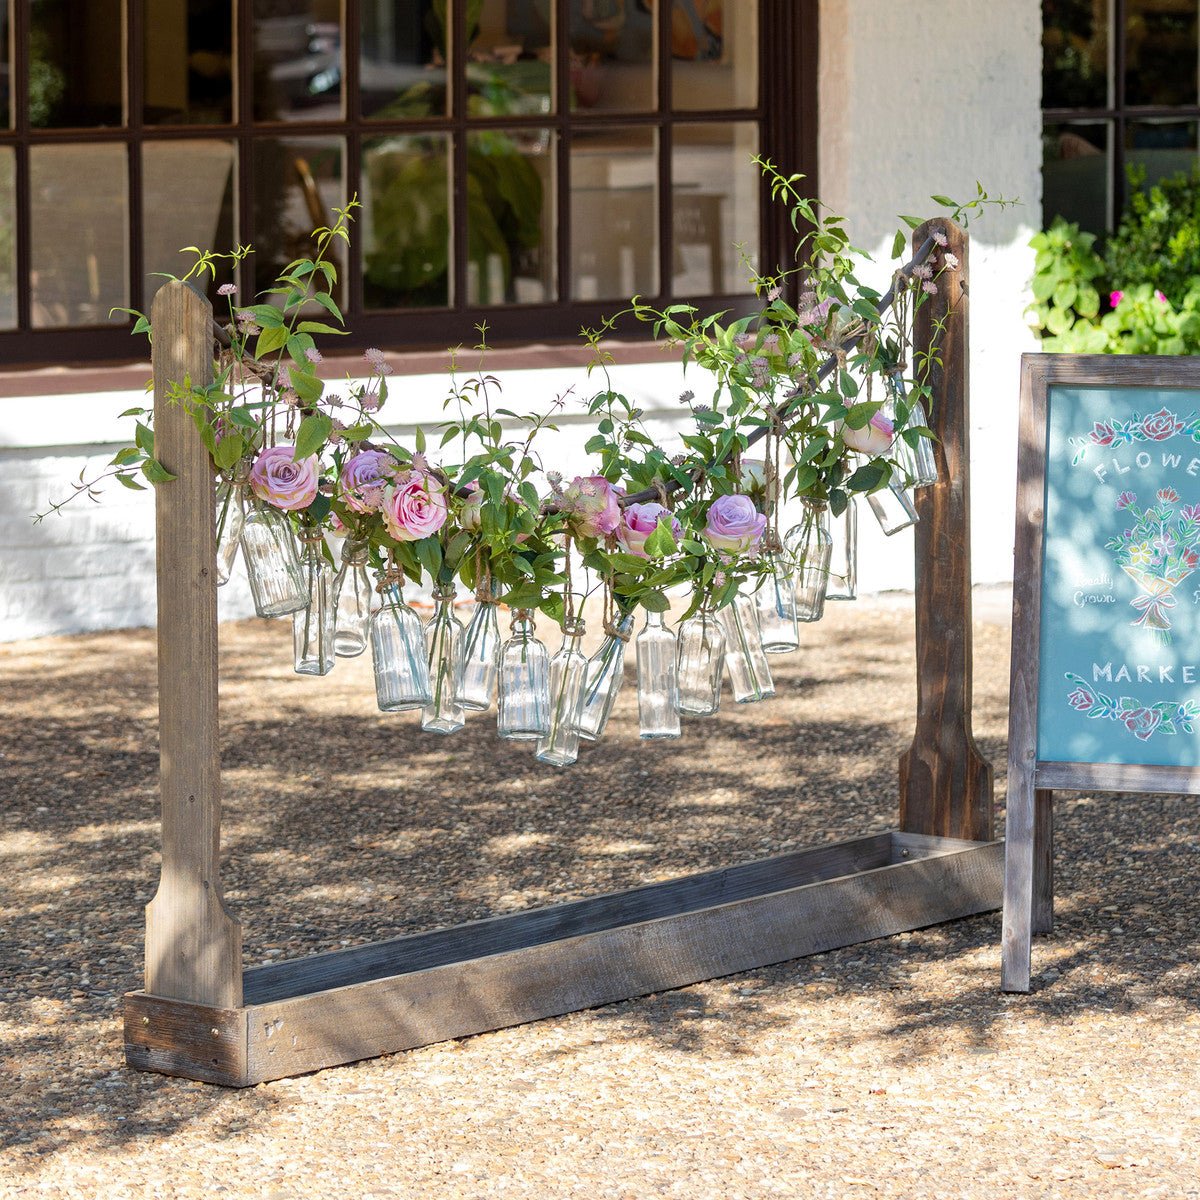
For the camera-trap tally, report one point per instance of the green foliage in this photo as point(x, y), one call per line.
point(1158, 239)
point(1065, 292)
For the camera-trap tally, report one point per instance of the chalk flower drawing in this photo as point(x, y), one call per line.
point(1157, 427)
point(1158, 552)
point(1142, 720)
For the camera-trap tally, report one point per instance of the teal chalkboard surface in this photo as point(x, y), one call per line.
point(1119, 677)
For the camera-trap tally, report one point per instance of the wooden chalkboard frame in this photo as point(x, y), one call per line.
point(1029, 827)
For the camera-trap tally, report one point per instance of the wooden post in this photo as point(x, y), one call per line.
point(193, 944)
point(945, 782)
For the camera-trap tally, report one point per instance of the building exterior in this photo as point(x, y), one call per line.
point(567, 156)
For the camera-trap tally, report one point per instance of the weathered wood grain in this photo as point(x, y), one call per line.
point(1118, 777)
point(174, 1037)
point(1042, 914)
point(193, 944)
point(945, 782)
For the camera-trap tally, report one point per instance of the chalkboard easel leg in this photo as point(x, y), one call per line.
point(1043, 861)
point(1015, 944)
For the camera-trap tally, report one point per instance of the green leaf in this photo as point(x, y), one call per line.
point(313, 433)
point(229, 451)
point(944, 201)
point(308, 387)
point(267, 316)
point(654, 601)
point(129, 482)
point(420, 440)
point(868, 477)
point(898, 243)
point(429, 555)
point(620, 561)
point(327, 302)
point(144, 438)
point(318, 327)
point(270, 340)
point(156, 472)
point(661, 541)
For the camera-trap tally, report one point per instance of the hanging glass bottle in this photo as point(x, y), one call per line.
point(658, 683)
point(312, 626)
point(605, 674)
point(809, 548)
point(559, 746)
point(231, 519)
point(893, 507)
point(917, 462)
point(443, 639)
point(843, 563)
point(352, 601)
point(272, 564)
point(700, 663)
point(745, 660)
point(480, 654)
point(776, 601)
point(398, 651)
point(523, 692)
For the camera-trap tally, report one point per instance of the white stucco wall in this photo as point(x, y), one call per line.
point(917, 97)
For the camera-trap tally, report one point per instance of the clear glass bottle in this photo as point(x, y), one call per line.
point(917, 462)
point(559, 746)
point(745, 660)
point(893, 507)
point(443, 639)
point(272, 564)
point(231, 519)
point(776, 602)
point(699, 664)
point(398, 652)
point(605, 674)
point(480, 664)
point(809, 548)
point(352, 601)
point(523, 691)
point(312, 626)
point(843, 563)
point(658, 681)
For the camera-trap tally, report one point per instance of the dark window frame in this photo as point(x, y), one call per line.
point(786, 114)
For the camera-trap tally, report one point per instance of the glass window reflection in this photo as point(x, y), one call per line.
point(8, 241)
point(76, 52)
point(714, 55)
point(1075, 53)
point(612, 53)
point(297, 60)
point(189, 63)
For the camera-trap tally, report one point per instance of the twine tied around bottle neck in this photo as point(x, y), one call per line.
point(444, 592)
point(392, 577)
point(311, 534)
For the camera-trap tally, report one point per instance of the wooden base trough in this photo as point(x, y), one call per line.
point(201, 1015)
point(410, 991)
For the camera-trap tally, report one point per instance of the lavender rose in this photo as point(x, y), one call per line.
point(591, 503)
point(414, 507)
point(734, 524)
point(639, 521)
point(280, 480)
point(874, 438)
point(363, 479)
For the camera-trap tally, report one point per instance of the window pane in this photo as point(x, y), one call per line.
point(78, 267)
point(1160, 52)
point(614, 214)
point(189, 63)
point(1076, 173)
point(510, 217)
point(297, 60)
point(714, 54)
point(714, 208)
point(510, 59)
point(1161, 148)
point(402, 59)
point(297, 184)
point(406, 222)
point(612, 55)
point(188, 200)
point(1075, 53)
point(8, 246)
point(76, 52)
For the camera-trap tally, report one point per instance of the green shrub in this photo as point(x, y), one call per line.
point(1158, 239)
point(1064, 290)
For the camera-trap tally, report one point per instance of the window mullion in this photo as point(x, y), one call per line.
point(561, 35)
point(135, 16)
point(664, 149)
point(20, 100)
point(458, 155)
point(352, 156)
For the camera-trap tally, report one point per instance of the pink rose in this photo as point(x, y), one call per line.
point(1161, 425)
point(280, 480)
point(1080, 699)
point(874, 438)
point(590, 502)
point(734, 524)
point(639, 521)
point(414, 507)
point(363, 479)
point(470, 516)
point(1141, 722)
point(1102, 434)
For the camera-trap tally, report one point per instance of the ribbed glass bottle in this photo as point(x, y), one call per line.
point(443, 639)
point(480, 659)
point(809, 548)
point(272, 564)
point(312, 626)
point(523, 689)
point(605, 674)
point(843, 564)
point(398, 654)
point(658, 681)
point(917, 462)
point(352, 594)
point(893, 507)
point(700, 663)
point(231, 520)
point(776, 602)
point(745, 659)
point(559, 746)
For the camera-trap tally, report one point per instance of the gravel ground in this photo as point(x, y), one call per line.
point(893, 1069)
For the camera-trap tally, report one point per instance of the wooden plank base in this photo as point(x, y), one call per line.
point(411, 991)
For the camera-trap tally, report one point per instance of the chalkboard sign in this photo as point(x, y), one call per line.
point(1105, 691)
